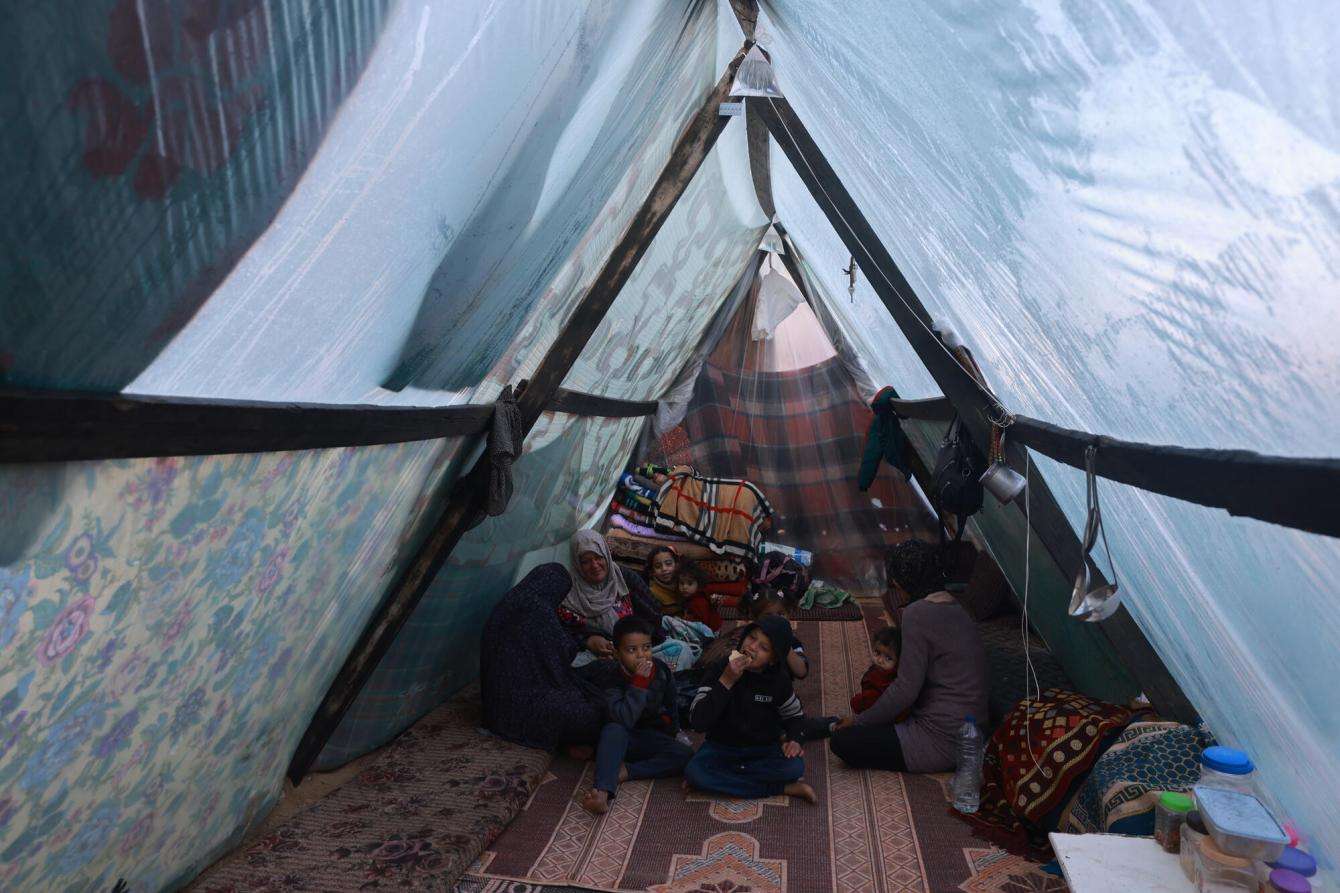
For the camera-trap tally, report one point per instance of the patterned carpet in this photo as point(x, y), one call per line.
point(871, 831)
point(414, 819)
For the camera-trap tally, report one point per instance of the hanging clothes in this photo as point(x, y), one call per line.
point(884, 441)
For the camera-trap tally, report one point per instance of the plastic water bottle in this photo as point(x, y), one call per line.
point(967, 784)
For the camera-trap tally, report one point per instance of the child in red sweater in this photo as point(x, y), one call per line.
point(886, 643)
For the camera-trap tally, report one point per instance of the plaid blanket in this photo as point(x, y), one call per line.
point(1033, 759)
point(726, 516)
point(799, 435)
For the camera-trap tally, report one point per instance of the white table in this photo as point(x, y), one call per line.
point(1113, 863)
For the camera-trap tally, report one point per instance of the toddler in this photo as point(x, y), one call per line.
point(886, 644)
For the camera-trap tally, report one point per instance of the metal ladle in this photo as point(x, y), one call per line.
point(1093, 605)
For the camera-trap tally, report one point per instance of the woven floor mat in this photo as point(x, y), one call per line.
point(871, 831)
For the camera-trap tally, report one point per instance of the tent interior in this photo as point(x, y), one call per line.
point(252, 256)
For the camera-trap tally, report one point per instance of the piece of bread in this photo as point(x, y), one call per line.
point(735, 654)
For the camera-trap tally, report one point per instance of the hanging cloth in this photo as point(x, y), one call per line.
point(885, 441)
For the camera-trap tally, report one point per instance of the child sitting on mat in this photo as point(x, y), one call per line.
point(641, 720)
point(886, 644)
point(752, 719)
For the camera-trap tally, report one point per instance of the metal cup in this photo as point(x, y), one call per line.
point(1003, 482)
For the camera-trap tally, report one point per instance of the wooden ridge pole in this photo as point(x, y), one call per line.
point(973, 403)
point(466, 496)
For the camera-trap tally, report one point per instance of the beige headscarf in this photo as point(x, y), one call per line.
point(596, 602)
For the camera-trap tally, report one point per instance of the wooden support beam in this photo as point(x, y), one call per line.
point(1299, 493)
point(686, 157)
point(972, 402)
point(68, 426)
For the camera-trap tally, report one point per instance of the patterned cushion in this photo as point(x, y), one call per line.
point(1035, 755)
point(1148, 757)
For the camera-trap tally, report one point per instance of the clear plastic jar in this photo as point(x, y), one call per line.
point(1169, 813)
point(1228, 769)
point(1218, 872)
point(1189, 853)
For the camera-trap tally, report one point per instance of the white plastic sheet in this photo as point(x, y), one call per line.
point(1128, 213)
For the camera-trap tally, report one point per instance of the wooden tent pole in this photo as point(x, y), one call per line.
point(71, 426)
point(969, 398)
point(685, 158)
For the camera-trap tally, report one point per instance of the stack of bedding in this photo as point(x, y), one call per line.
point(631, 533)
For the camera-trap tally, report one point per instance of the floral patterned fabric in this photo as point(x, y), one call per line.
point(164, 638)
point(412, 820)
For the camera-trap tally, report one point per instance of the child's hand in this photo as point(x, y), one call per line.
point(734, 669)
point(792, 749)
point(645, 669)
point(845, 722)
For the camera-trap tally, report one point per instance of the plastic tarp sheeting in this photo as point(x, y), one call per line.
point(1127, 211)
point(167, 627)
point(147, 144)
point(570, 466)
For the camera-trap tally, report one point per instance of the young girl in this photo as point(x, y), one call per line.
point(697, 605)
point(662, 571)
point(752, 719)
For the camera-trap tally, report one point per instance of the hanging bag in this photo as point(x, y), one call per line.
point(956, 482)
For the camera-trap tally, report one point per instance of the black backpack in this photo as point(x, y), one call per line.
point(956, 483)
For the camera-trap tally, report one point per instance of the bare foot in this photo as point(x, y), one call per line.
point(802, 790)
point(685, 786)
point(580, 752)
point(597, 801)
point(623, 773)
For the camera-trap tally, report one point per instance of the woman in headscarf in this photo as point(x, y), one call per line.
point(601, 593)
point(942, 677)
point(530, 692)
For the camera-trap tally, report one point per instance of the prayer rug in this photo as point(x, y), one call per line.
point(414, 819)
point(870, 831)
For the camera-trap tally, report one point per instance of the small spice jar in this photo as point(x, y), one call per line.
point(1282, 880)
point(1169, 813)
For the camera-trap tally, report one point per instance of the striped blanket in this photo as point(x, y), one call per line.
point(727, 516)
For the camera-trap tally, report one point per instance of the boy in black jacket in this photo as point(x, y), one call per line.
point(641, 719)
point(753, 720)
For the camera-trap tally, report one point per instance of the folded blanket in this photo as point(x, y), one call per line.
point(641, 518)
point(727, 516)
point(1146, 758)
point(624, 523)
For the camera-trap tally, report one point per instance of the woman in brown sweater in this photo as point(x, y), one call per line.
point(942, 677)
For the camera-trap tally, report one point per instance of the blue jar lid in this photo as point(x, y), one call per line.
point(1294, 859)
point(1227, 760)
